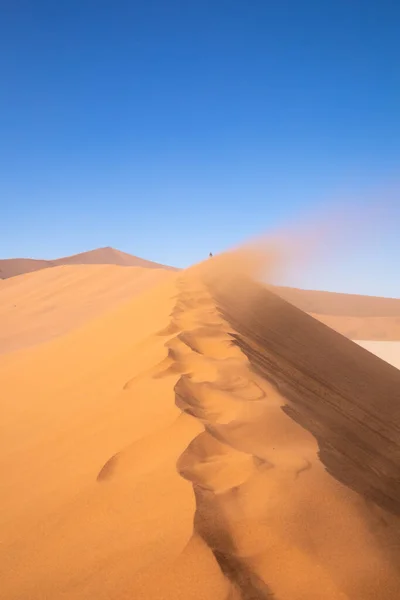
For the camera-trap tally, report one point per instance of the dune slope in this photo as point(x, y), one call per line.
point(204, 440)
point(38, 306)
point(109, 256)
point(357, 317)
point(11, 267)
point(385, 329)
point(387, 351)
point(345, 305)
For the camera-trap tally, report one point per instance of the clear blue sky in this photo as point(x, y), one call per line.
point(171, 128)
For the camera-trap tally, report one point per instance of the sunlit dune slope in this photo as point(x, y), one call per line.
point(88, 450)
point(37, 306)
point(204, 440)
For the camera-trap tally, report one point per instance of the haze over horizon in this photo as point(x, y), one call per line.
point(169, 131)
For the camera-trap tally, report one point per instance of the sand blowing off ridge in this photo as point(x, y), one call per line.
point(206, 440)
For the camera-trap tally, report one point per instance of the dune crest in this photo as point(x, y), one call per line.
point(204, 440)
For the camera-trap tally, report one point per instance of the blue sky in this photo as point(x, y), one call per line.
point(169, 129)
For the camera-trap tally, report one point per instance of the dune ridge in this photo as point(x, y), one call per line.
point(214, 389)
point(205, 439)
point(225, 461)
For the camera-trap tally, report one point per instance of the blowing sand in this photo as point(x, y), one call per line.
point(203, 440)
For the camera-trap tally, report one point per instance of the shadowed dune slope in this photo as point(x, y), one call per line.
point(11, 267)
point(346, 397)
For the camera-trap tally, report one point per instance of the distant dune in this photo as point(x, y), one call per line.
point(101, 256)
point(364, 328)
point(109, 256)
point(11, 267)
point(346, 305)
point(387, 351)
point(354, 316)
point(201, 439)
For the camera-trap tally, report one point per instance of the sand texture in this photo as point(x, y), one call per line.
point(203, 439)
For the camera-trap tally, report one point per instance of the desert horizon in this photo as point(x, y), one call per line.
point(364, 318)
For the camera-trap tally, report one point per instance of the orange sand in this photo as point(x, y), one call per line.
point(142, 457)
point(356, 317)
point(35, 307)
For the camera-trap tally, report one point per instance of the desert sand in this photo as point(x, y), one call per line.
point(387, 351)
point(340, 304)
point(12, 267)
point(40, 305)
point(203, 439)
point(354, 316)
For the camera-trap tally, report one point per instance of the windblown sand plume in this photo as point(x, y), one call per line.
point(205, 439)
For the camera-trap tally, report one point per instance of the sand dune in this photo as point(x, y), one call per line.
point(387, 351)
point(109, 256)
point(206, 439)
point(354, 316)
point(44, 304)
point(363, 328)
point(12, 267)
point(345, 305)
